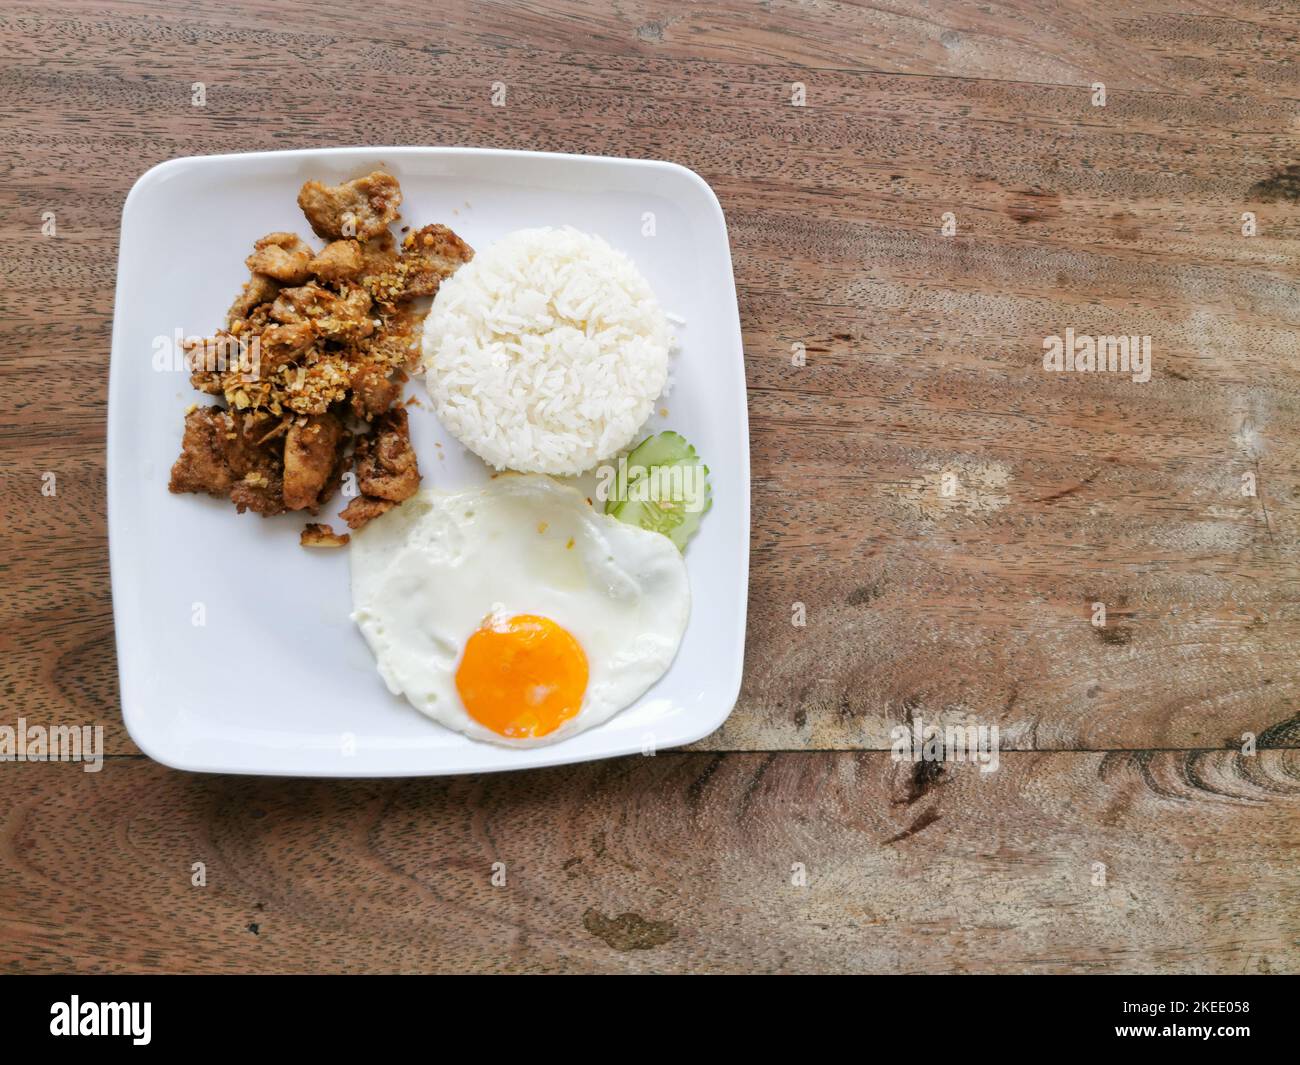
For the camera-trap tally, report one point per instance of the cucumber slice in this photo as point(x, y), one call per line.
point(673, 520)
point(662, 465)
point(663, 449)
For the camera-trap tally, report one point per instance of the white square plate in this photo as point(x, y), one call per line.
point(235, 650)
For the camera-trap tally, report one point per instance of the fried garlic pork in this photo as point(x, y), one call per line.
point(318, 340)
point(385, 468)
point(362, 209)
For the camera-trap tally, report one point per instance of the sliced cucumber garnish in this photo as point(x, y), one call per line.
point(662, 449)
point(673, 520)
point(668, 488)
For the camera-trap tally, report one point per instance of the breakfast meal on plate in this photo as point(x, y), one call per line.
point(517, 613)
point(520, 613)
point(317, 343)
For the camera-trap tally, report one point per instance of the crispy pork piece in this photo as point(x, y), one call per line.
point(365, 509)
point(282, 344)
point(217, 354)
point(301, 304)
point(394, 346)
point(229, 453)
point(198, 357)
point(345, 316)
point(281, 256)
point(258, 289)
point(310, 456)
point(372, 391)
point(363, 208)
point(429, 256)
point(260, 491)
point(256, 444)
point(348, 316)
point(341, 260)
point(379, 255)
point(203, 465)
point(387, 472)
point(385, 462)
point(207, 382)
point(317, 535)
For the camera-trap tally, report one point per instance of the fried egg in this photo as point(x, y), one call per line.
point(517, 613)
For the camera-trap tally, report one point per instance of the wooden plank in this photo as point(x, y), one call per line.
point(923, 351)
point(681, 862)
point(1158, 45)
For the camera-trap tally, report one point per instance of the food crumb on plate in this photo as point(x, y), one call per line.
point(318, 535)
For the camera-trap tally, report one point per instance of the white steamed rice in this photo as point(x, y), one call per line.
point(545, 353)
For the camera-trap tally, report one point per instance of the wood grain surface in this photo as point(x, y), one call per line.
point(843, 861)
point(946, 511)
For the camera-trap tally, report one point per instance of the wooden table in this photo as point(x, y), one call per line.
point(947, 511)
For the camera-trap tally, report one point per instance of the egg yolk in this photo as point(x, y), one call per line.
point(522, 676)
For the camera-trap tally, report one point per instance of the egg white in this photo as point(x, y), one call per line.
point(426, 574)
